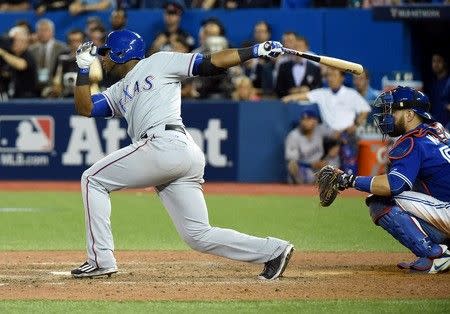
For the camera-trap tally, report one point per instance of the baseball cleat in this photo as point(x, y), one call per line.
point(88, 271)
point(435, 265)
point(274, 268)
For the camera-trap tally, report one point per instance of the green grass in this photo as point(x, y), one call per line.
point(141, 223)
point(352, 306)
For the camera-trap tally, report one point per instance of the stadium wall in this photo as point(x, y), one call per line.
point(242, 141)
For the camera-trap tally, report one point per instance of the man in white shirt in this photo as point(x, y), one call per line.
point(342, 109)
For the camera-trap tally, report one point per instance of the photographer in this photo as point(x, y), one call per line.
point(18, 66)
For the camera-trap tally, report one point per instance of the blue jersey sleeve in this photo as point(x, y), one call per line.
point(405, 165)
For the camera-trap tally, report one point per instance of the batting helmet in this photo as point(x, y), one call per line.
point(399, 98)
point(123, 45)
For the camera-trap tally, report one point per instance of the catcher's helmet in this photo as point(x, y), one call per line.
point(123, 45)
point(399, 98)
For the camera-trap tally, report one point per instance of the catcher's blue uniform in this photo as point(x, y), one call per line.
point(420, 161)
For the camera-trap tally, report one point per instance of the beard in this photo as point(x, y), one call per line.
point(399, 128)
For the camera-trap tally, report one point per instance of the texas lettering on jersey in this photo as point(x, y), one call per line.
point(131, 90)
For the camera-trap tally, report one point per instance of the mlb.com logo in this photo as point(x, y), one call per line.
point(27, 134)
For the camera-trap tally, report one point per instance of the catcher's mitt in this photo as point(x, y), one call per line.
point(327, 180)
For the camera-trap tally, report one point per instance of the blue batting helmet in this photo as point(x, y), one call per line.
point(399, 98)
point(123, 45)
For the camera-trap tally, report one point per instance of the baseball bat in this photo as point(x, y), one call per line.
point(340, 64)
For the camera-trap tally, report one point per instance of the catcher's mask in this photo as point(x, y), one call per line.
point(397, 99)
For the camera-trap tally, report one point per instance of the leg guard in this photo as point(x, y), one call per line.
point(407, 230)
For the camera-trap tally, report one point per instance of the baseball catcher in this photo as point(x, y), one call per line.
point(412, 200)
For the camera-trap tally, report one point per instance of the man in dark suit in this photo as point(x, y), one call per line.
point(46, 51)
point(296, 74)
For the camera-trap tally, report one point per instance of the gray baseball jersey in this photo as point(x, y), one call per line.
point(150, 94)
point(148, 97)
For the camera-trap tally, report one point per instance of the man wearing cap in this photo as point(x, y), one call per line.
point(172, 19)
point(304, 149)
point(342, 109)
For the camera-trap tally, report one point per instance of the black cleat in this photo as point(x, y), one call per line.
point(88, 271)
point(274, 268)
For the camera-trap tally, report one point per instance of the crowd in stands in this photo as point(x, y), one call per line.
point(36, 64)
point(76, 7)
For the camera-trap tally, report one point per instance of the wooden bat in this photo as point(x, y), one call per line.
point(340, 64)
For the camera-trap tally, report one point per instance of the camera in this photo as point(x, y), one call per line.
point(5, 42)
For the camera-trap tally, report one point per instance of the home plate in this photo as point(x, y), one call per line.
point(60, 273)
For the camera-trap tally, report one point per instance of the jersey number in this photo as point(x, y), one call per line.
point(445, 152)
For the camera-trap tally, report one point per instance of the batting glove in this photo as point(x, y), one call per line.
point(271, 49)
point(346, 181)
point(86, 54)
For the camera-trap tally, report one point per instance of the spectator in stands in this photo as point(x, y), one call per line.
point(234, 4)
point(439, 67)
point(97, 36)
point(173, 11)
point(259, 70)
point(304, 149)
point(362, 85)
point(329, 3)
point(366, 4)
point(81, 6)
point(118, 19)
point(93, 22)
point(14, 5)
point(446, 101)
point(17, 63)
point(46, 51)
point(210, 27)
point(297, 74)
point(238, 4)
point(342, 109)
point(244, 90)
point(51, 5)
point(67, 69)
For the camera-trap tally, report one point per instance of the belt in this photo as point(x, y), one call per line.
point(169, 127)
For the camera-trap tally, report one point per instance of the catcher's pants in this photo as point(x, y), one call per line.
point(426, 207)
point(173, 163)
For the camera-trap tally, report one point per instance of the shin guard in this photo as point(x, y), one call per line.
point(408, 231)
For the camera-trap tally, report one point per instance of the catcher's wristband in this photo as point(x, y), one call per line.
point(363, 183)
point(83, 77)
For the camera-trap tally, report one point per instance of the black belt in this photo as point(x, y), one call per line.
point(169, 127)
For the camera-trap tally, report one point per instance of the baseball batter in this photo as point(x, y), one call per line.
point(162, 154)
point(411, 201)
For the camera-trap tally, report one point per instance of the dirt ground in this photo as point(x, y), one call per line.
point(179, 275)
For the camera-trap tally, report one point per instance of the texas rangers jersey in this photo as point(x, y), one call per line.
point(421, 158)
point(149, 95)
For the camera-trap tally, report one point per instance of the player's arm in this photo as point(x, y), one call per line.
point(17, 63)
point(85, 104)
point(405, 160)
point(219, 62)
point(86, 55)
